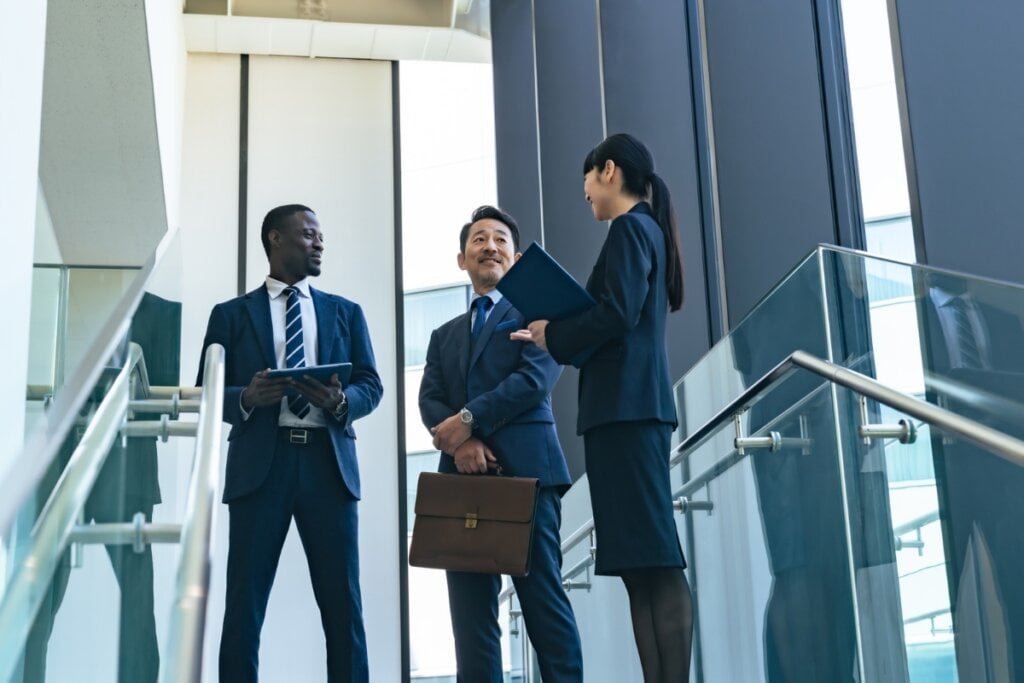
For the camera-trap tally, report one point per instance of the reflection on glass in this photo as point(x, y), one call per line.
point(930, 529)
point(119, 603)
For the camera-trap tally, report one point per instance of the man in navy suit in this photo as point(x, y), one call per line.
point(291, 450)
point(487, 401)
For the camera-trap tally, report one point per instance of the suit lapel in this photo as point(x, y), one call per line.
point(326, 313)
point(460, 346)
point(500, 310)
point(258, 303)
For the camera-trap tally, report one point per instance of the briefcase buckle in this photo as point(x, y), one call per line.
point(471, 520)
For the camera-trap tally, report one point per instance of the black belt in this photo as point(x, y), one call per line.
point(303, 436)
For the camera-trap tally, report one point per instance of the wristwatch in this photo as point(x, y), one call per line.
point(342, 407)
point(466, 416)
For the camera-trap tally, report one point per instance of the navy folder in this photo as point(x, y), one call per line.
point(541, 289)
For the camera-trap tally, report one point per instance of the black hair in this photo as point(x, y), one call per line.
point(276, 219)
point(488, 211)
point(640, 180)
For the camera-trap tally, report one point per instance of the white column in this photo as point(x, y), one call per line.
point(22, 43)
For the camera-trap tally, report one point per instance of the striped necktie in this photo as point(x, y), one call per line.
point(294, 353)
point(970, 352)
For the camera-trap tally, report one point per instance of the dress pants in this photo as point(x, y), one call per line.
point(473, 600)
point(303, 483)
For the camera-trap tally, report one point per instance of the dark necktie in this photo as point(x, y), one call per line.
point(481, 306)
point(970, 353)
point(294, 353)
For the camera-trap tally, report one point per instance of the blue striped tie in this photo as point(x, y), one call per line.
point(294, 353)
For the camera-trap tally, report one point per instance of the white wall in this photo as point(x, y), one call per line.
point(22, 40)
point(167, 58)
point(319, 134)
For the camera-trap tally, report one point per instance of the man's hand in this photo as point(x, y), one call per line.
point(326, 396)
point(451, 434)
point(474, 457)
point(534, 334)
point(263, 391)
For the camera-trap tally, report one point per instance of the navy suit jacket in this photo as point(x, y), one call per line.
point(243, 327)
point(627, 377)
point(505, 384)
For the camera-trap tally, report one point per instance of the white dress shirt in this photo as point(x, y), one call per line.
point(494, 295)
point(278, 306)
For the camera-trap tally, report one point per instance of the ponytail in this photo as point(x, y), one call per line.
point(665, 215)
point(637, 165)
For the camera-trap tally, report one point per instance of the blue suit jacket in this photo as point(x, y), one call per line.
point(243, 327)
point(505, 384)
point(627, 377)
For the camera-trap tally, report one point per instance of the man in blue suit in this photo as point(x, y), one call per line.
point(487, 401)
point(291, 452)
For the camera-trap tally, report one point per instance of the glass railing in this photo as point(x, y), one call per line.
point(851, 513)
point(105, 518)
point(912, 516)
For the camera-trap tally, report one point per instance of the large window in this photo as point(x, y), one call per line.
point(447, 133)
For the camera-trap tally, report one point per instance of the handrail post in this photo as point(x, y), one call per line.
point(184, 658)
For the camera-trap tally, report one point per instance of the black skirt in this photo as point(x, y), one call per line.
point(630, 493)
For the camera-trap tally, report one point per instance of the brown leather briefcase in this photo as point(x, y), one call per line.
point(474, 523)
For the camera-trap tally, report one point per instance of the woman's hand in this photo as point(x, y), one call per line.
point(534, 334)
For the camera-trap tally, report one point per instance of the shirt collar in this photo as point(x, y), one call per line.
point(943, 298)
point(494, 295)
point(275, 287)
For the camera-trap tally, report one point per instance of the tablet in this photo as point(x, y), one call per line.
point(322, 373)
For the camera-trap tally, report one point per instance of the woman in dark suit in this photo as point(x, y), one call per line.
point(626, 411)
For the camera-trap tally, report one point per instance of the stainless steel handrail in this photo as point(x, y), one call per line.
point(570, 542)
point(1003, 445)
point(32, 575)
point(916, 523)
point(184, 656)
point(41, 446)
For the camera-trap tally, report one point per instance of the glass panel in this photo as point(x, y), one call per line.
point(791, 317)
point(81, 584)
point(425, 312)
point(771, 562)
point(955, 341)
point(107, 589)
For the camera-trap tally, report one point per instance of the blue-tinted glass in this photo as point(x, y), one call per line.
point(425, 312)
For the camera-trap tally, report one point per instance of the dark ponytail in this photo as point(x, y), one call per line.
point(640, 180)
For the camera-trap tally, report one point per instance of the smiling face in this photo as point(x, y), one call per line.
point(488, 253)
point(296, 250)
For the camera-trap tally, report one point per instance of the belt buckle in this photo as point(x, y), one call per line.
point(300, 436)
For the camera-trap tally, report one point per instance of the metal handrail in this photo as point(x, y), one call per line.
point(32, 575)
point(41, 447)
point(570, 542)
point(1003, 445)
point(188, 615)
point(916, 523)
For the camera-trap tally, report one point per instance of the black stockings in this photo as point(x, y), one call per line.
point(662, 611)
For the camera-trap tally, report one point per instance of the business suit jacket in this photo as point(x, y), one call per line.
point(626, 378)
point(505, 384)
point(243, 326)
